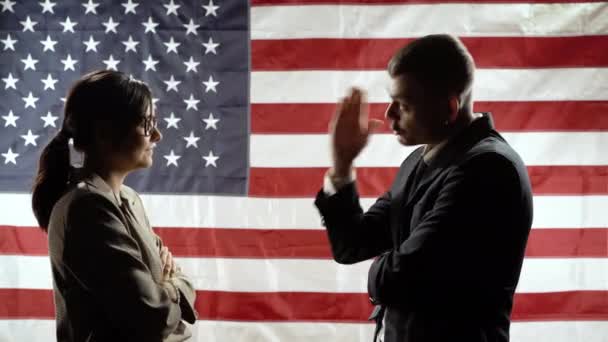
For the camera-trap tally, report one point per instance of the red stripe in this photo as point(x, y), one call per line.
point(508, 116)
point(374, 54)
point(300, 244)
point(373, 181)
point(585, 242)
point(328, 307)
point(412, 2)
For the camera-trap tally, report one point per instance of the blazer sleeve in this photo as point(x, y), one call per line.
point(354, 235)
point(187, 291)
point(462, 244)
point(108, 263)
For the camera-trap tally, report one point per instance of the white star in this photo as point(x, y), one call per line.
point(68, 25)
point(111, 63)
point(150, 26)
point(210, 85)
point(30, 100)
point(130, 44)
point(191, 28)
point(110, 25)
point(28, 24)
point(29, 62)
point(192, 103)
point(172, 158)
point(172, 121)
point(211, 122)
point(130, 6)
point(69, 63)
point(30, 138)
point(10, 157)
point(191, 140)
point(91, 44)
point(191, 65)
point(211, 9)
point(7, 5)
point(210, 159)
point(49, 119)
point(172, 8)
point(150, 63)
point(48, 44)
point(10, 81)
point(90, 7)
point(210, 46)
point(11, 119)
point(47, 5)
point(172, 84)
point(172, 45)
point(49, 82)
point(9, 43)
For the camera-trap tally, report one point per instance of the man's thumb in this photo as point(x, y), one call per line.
point(374, 125)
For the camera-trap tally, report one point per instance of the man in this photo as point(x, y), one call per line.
point(449, 236)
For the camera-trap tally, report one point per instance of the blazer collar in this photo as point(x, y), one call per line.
point(95, 181)
point(463, 141)
point(455, 147)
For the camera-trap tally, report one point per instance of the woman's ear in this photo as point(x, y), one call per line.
point(103, 136)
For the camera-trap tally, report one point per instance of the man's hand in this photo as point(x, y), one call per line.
point(350, 128)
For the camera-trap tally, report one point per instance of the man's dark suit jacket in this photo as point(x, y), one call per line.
point(448, 249)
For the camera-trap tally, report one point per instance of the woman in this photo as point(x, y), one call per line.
point(113, 279)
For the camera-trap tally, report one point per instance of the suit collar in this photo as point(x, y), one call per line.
point(455, 147)
point(463, 141)
point(95, 181)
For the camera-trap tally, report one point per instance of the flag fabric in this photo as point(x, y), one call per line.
point(244, 92)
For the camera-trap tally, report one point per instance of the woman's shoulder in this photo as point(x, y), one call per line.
point(83, 198)
point(80, 201)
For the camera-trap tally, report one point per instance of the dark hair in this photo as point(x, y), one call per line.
point(440, 63)
point(97, 99)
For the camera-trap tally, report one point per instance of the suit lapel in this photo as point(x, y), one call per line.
point(401, 193)
point(132, 216)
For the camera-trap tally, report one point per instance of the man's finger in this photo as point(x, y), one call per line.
point(374, 125)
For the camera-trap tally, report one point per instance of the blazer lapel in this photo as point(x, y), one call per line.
point(401, 193)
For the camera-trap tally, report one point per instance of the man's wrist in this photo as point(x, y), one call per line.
point(341, 171)
point(332, 183)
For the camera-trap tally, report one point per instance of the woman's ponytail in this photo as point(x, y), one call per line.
point(52, 178)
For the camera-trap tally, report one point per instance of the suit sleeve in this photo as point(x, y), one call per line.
point(187, 292)
point(354, 235)
point(463, 242)
point(108, 263)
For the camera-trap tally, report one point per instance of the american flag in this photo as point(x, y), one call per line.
point(244, 92)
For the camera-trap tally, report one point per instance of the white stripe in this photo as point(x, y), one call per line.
point(272, 275)
point(300, 213)
point(34, 330)
point(490, 85)
point(399, 21)
point(383, 150)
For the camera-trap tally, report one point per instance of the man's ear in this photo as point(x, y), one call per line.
point(453, 108)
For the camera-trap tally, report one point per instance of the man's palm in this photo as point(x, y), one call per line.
point(350, 129)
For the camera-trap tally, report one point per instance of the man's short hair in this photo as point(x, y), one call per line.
point(440, 63)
